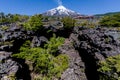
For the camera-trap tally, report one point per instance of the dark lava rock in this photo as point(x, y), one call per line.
point(8, 67)
point(76, 66)
point(5, 47)
point(95, 41)
point(39, 41)
point(14, 34)
point(85, 47)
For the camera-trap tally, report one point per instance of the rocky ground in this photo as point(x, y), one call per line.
point(85, 47)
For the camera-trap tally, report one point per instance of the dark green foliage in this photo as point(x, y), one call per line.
point(68, 22)
point(60, 64)
point(44, 61)
point(110, 68)
point(2, 17)
point(34, 23)
point(53, 44)
point(110, 21)
point(12, 18)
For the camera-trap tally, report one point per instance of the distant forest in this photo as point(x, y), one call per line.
point(107, 14)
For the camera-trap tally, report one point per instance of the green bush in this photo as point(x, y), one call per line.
point(34, 23)
point(111, 68)
point(68, 22)
point(53, 44)
point(60, 65)
point(45, 63)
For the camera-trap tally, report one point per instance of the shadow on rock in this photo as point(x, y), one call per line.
point(24, 72)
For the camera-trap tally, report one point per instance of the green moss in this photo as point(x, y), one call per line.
point(112, 67)
point(60, 64)
point(10, 43)
point(12, 77)
point(4, 28)
point(1, 61)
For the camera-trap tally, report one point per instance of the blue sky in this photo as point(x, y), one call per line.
point(30, 7)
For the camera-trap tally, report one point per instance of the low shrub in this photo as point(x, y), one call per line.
point(44, 60)
point(34, 23)
point(68, 22)
point(110, 68)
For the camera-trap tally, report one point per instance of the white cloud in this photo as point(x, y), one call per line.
point(59, 2)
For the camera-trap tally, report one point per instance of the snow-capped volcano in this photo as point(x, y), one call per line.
point(61, 11)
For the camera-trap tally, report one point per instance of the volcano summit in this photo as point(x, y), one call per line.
point(61, 11)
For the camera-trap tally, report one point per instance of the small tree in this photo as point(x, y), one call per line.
point(34, 23)
point(68, 22)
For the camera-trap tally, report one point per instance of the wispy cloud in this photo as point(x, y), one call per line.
point(59, 2)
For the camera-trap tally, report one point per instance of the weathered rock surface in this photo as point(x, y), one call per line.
point(76, 66)
point(86, 47)
point(95, 42)
point(14, 34)
point(39, 41)
point(8, 67)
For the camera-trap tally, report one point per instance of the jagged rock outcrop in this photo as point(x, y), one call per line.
point(14, 32)
point(86, 47)
point(8, 67)
point(13, 37)
point(95, 42)
point(76, 66)
point(39, 41)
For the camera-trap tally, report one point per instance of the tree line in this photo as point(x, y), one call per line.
point(11, 18)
